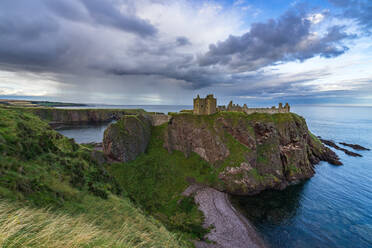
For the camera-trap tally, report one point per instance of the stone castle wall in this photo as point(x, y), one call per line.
point(208, 106)
point(273, 110)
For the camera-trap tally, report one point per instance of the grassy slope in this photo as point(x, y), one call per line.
point(156, 179)
point(70, 115)
point(40, 168)
point(63, 176)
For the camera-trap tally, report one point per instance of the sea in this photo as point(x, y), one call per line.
point(332, 209)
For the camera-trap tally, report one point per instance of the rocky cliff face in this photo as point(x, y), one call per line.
point(250, 152)
point(77, 116)
point(127, 138)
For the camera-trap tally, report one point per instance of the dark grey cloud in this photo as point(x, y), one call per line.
point(86, 43)
point(44, 35)
point(189, 77)
point(27, 38)
point(183, 41)
point(360, 10)
point(288, 38)
point(109, 13)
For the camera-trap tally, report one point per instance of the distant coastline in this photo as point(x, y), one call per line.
point(26, 103)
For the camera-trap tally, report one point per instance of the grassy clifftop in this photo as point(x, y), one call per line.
point(86, 207)
point(76, 116)
point(156, 179)
point(199, 149)
point(233, 152)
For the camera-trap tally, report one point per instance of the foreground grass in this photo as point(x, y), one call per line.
point(40, 169)
point(30, 227)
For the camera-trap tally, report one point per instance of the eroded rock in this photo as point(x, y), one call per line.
point(127, 138)
point(333, 144)
point(274, 152)
point(184, 135)
point(355, 146)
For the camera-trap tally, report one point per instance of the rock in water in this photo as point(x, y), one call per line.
point(127, 138)
point(333, 144)
point(355, 146)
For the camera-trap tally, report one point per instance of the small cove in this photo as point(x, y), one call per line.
point(87, 133)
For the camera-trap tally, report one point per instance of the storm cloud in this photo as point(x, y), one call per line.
point(120, 44)
point(288, 38)
point(44, 35)
point(114, 13)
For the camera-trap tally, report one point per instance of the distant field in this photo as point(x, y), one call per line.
point(24, 103)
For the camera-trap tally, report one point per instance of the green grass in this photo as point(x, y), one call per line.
point(67, 115)
point(156, 179)
point(292, 169)
point(263, 150)
point(104, 223)
point(34, 159)
point(238, 152)
point(41, 168)
point(315, 139)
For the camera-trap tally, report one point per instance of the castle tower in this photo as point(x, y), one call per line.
point(211, 107)
point(230, 106)
point(205, 106)
point(287, 108)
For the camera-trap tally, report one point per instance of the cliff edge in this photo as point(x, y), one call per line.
point(251, 153)
point(227, 152)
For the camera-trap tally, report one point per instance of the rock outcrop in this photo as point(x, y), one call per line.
point(250, 152)
point(183, 135)
point(333, 144)
point(158, 119)
point(127, 138)
point(355, 146)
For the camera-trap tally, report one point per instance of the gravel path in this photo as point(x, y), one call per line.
point(231, 229)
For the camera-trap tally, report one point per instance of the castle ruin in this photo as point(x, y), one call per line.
point(208, 106)
point(273, 110)
point(205, 106)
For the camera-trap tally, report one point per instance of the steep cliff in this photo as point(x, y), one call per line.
point(251, 153)
point(77, 116)
point(127, 138)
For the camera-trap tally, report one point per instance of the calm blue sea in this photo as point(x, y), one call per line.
point(332, 209)
point(94, 133)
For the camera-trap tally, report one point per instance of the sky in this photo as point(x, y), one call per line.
point(166, 52)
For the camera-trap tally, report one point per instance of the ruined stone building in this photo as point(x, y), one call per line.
point(205, 106)
point(245, 109)
point(208, 106)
